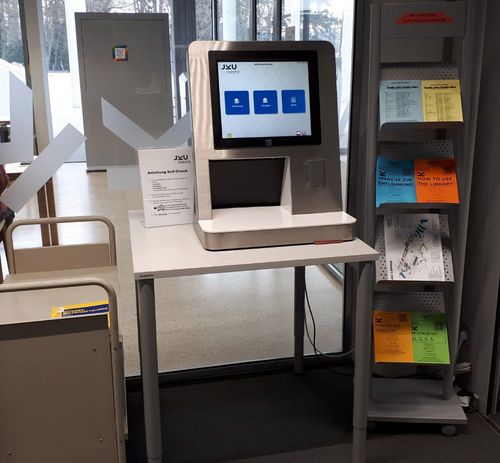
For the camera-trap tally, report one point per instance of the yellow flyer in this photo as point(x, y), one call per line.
point(75, 310)
point(392, 337)
point(441, 101)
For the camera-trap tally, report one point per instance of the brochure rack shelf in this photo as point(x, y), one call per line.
point(418, 71)
point(430, 149)
point(413, 401)
point(414, 301)
point(416, 207)
point(456, 56)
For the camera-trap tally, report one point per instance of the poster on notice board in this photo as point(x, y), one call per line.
point(167, 186)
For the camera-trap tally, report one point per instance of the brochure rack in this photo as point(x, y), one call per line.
point(392, 27)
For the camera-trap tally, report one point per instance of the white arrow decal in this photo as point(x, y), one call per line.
point(20, 148)
point(42, 168)
point(135, 136)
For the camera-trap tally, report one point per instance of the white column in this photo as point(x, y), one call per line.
point(346, 71)
point(71, 7)
point(295, 9)
point(229, 20)
point(38, 71)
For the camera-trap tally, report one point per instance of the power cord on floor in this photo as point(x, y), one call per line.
point(312, 340)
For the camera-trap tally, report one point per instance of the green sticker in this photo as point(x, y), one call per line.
point(430, 338)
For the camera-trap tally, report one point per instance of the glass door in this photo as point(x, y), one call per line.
point(11, 59)
point(192, 19)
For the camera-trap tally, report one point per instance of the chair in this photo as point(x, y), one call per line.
point(60, 257)
point(80, 387)
point(2, 232)
point(68, 257)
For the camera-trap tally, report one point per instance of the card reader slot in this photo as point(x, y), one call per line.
point(246, 182)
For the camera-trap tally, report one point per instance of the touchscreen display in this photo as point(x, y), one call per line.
point(264, 99)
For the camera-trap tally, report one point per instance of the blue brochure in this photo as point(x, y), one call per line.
point(395, 181)
point(400, 101)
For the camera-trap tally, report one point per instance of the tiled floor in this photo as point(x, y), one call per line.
point(202, 320)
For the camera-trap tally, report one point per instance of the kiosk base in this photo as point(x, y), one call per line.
point(254, 227)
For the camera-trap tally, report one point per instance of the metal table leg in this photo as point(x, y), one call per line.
point(299, 314)
point(146, 319)
point(362, 367)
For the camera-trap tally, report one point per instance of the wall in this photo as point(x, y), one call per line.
point(482, 270)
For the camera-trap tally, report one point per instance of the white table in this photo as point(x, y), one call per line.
point(176, 251)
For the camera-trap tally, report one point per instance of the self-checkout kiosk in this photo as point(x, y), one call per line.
point(265, 140)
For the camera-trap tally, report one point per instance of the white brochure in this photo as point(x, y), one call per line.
point(167, 186)
point(413, 249)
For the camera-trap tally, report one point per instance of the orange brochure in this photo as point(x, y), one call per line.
point(392, 337)
point(436, 181)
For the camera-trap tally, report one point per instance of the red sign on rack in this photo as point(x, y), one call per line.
point(424, 18)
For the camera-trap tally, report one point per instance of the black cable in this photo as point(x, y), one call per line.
point(313, 342)
point(318, 353)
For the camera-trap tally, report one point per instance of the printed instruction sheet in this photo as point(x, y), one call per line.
point(167, 186)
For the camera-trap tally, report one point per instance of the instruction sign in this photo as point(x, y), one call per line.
point(167, 186)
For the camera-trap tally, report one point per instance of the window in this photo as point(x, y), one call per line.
point(234, 20)
point(11, 56)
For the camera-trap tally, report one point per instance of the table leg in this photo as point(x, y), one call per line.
point(299, 315)
point(146, 319)
point(51, 207)
point(43, 212)
point(362, 359)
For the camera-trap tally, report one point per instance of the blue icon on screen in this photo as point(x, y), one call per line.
point(294, 101)
point(237, 102)
point(265, 101)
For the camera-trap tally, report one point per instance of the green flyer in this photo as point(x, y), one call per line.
point(430, 338)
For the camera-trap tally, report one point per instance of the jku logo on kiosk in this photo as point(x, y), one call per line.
point(229, 67)
point(182, 157)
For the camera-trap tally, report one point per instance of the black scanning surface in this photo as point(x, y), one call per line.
point(246, 182)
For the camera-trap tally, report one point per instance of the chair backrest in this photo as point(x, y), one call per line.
point(63, 257)
point(2, 231)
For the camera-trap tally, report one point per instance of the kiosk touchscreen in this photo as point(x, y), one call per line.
point(284, 106)
point(265, 140)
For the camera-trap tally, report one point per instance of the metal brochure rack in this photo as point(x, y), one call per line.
point(402, 36)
